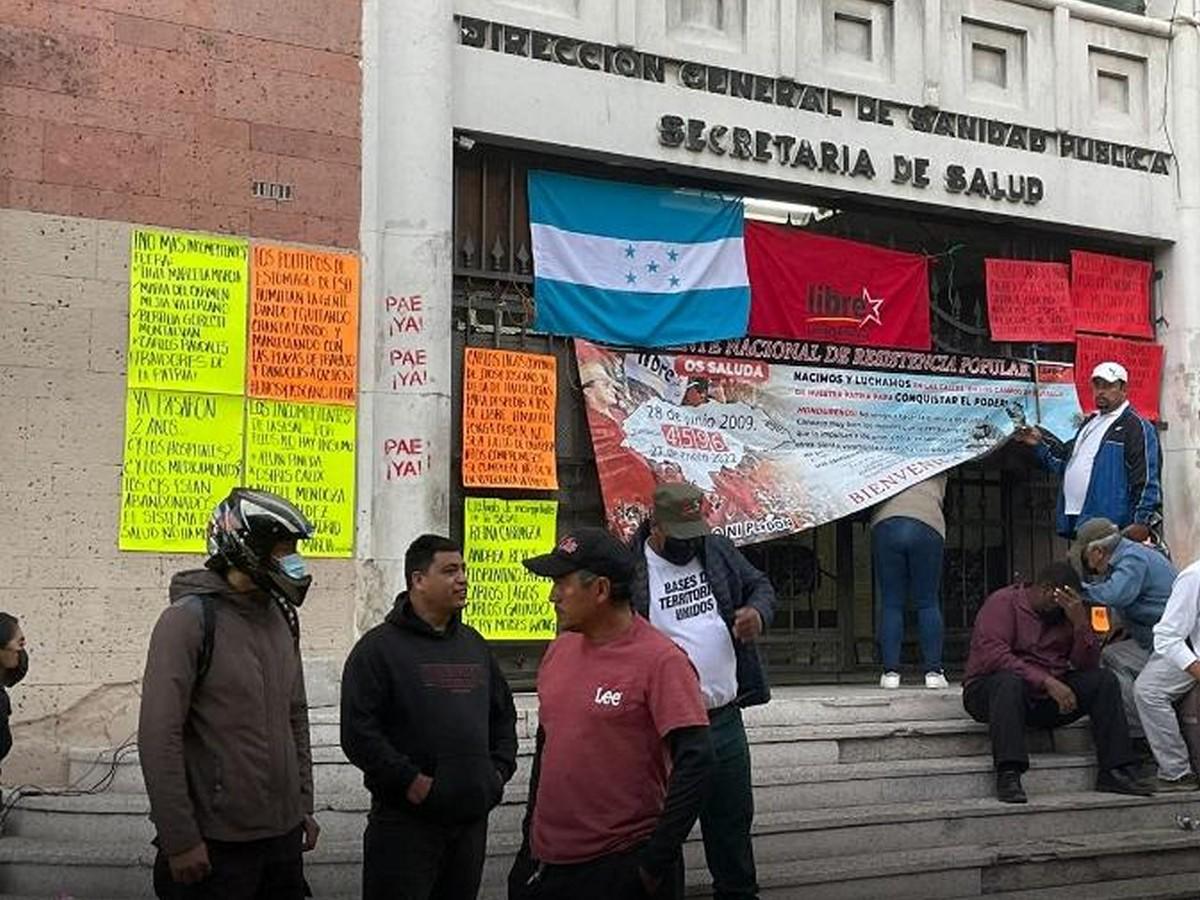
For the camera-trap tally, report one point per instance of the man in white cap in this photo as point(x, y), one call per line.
point(1111, 468)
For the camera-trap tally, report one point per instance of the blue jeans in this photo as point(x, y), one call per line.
point(907, 555)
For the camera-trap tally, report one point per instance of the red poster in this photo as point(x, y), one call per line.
point(1142, 359)
point(812, 287)
point(1111, 294)
point(1029, 301)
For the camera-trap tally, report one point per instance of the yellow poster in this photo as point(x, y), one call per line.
point(305, 453)
point(183, 455)
point(505, 601)
point(187, 311)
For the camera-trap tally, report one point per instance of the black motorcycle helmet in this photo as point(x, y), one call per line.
point(243, 530)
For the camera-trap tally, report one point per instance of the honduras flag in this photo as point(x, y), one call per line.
point(636, 265)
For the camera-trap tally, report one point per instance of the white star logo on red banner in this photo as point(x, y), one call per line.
point(874, 304)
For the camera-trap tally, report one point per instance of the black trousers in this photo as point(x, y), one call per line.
point(1003, 702)
point(611, 877)
point(408, 858)
point(268, 869)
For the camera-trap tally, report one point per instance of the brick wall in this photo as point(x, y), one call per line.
point(114, 113)
point(165, 111)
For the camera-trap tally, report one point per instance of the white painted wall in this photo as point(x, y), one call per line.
point(404, 408)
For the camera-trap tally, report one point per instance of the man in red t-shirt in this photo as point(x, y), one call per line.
point(623, 751)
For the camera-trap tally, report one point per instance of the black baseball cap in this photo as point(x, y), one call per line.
point(593, 549)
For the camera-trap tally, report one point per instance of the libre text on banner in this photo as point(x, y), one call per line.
point(812, 287)
point(1111, 294)
point(505, 601)
point(509, 401)
point(1143, 361)
point(187, 312)
point(782, 436)
point(1029, 301)
point(632, 264)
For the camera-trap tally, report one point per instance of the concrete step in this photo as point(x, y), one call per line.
point(973, 871)
point(1047, 866)
point(789, 794)
point(781, 835)
point(1156, 887)
point(771, 746)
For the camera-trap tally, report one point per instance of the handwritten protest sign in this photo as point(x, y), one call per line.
point(1142, 359)
point(508, 419)
point(505, 601)
point(1111, 294)
point(187, 312)
point(1029, 301)
point(183, 454)
point(303, 325)
point(305, 452)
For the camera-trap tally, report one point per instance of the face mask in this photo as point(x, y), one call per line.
point(679, 551)
point(293, 566)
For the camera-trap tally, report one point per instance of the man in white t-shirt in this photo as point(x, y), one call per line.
point(699, 590)
point(1112, 467)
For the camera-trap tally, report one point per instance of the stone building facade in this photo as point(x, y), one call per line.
point(372, 116)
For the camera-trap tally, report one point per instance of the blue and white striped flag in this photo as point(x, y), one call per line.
point(636, 265)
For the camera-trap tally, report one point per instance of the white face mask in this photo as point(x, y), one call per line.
point(293, 565)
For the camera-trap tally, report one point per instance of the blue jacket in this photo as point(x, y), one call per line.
point(1125, 486)
point(1138, 583)
point(735, 583)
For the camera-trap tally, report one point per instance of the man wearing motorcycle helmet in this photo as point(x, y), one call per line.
point(223, 732)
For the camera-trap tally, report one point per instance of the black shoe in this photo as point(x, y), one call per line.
point(1122, 781)
point(1008, 787)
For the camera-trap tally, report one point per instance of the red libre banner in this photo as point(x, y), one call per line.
point(1142, 359)
point(1111, 294)
point(811, 287)
point(1029, 301)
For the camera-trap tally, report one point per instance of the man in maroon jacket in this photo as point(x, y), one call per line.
point(1035, 660)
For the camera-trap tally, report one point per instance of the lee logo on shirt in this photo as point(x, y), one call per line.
point(607, 697)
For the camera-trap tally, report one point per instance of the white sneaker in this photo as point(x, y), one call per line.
point(936, 681)
point(890, 680)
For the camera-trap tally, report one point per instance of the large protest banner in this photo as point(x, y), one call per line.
point(505, 601)
point(784, 435)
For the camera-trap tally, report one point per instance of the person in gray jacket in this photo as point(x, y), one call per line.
point(699, 590)
point(223, 730)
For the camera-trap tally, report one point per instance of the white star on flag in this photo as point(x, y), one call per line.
point(873, 315)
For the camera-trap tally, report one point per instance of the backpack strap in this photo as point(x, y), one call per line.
point(202, 605)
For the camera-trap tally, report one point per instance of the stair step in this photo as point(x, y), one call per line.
point(972, 871)
point(1182, 886)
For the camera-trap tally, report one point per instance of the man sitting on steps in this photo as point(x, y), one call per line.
point(1034, 660)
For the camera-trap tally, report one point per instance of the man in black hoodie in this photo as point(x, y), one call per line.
point(429, 718)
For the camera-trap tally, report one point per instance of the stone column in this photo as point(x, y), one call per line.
point(1180, 334)
point(404, 405)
